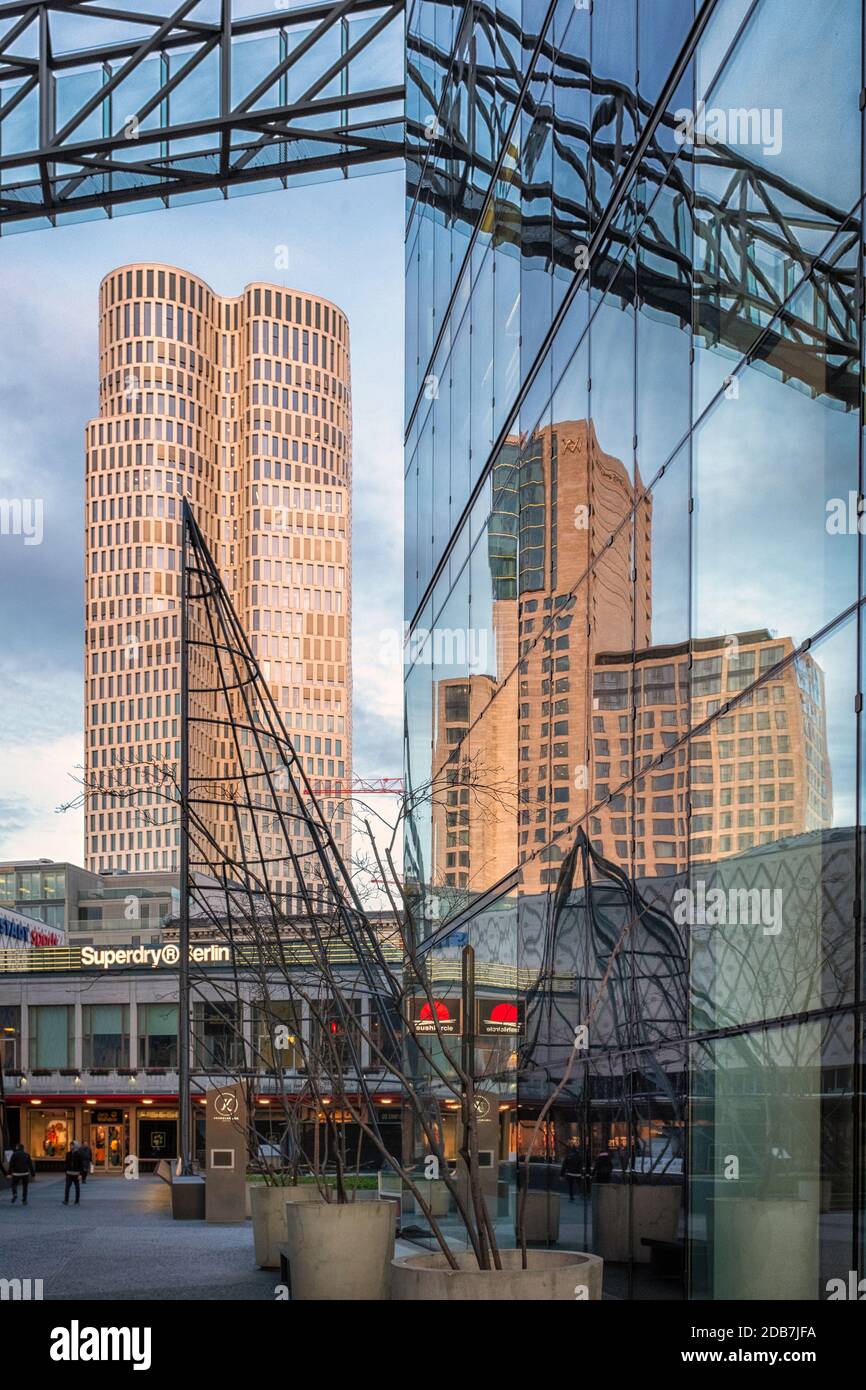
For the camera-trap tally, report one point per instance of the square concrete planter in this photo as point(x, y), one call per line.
point(188, 1199)
point(635, 1209)
point(765, 1248)
point(540, 1217)
point(435, 1194)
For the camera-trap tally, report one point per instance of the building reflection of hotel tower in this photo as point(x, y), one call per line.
point(575, 700)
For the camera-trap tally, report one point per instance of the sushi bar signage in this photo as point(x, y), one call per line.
point(444, 1016)
point(441, 1017)
point(499, 1016)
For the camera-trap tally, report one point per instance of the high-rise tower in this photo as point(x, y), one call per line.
point(243, 406)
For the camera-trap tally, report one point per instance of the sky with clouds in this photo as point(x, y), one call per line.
point(345, 242)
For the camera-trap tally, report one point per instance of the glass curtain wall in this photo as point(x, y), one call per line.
point(634, 582)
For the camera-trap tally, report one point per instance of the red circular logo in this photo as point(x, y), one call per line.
point(442, 1013)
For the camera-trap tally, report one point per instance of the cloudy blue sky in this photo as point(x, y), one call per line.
point(345, 241)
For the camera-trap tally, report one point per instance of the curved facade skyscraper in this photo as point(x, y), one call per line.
point(243, 407)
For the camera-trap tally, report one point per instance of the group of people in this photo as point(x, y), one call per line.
point(20, 1168)
point(574, 1168)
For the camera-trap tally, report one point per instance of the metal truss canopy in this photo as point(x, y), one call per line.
point(102, 105)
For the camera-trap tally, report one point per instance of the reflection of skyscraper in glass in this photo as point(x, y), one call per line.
point(758, 773)
point(561, 508)
point(596, 704)
point(242, 407)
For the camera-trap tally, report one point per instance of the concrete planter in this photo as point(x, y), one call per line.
point(188, 1199)
point(550, 1276)
point(268, 1211)
point(766, 1248)
point(436, 1195)
point(340, 1252)
point(643, 1210)
point(540, 1216)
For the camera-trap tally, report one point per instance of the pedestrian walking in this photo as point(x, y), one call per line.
point(86, 1161)
point(21, 1169)
point(74, 1167)
point(572, 1166)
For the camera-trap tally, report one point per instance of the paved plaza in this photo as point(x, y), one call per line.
point(121, 1242)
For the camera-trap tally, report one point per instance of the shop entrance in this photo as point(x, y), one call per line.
point(106, 1145)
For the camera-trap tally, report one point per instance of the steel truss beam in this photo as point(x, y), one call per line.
point(288, 94)
point(713, 223)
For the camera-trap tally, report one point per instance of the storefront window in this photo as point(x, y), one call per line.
point(157, 1026)
point(51, 1041)
point(10, 1036)
point(106, 1035)
point(269, 1019)
point(157, 1134)
point(217, 1038)
point(50, 1133)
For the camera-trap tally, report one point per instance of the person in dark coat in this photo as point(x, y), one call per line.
point(572, 1166)
point(86, 1160)
point(603, 1170)
point(21, 1170)
point(74, 1168)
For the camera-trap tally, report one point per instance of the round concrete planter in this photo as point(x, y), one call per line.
point(550, 1276)
point(268, 1211)
point(340, 1252)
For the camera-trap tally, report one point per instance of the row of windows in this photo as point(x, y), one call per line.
point(143, 283)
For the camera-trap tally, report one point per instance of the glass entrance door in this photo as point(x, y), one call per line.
point(106, 1145)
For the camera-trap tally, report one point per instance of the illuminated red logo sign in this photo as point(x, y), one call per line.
point(436, 1016)
point(499, 1016)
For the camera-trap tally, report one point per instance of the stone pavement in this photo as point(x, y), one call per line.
point(121, 1243)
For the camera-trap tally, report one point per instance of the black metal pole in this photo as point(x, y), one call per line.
point(4, 1132)
point(468, 982)
point(183, 985)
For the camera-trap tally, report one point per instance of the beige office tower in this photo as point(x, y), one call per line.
point(243, 407)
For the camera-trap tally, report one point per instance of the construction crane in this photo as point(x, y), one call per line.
point(357, 786)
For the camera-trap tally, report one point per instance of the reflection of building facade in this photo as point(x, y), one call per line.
point(680, 710)
point(242, 406)
point(561, 511)
point(748, 777)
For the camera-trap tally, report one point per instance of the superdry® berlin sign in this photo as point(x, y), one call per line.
point(108, 956)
